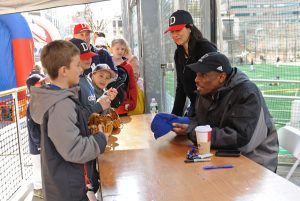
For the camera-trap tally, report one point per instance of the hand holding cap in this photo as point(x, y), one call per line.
point(162, 123)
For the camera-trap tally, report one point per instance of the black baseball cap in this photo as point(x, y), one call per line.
point(85, 52)
point(213, 61)
point(178, 20)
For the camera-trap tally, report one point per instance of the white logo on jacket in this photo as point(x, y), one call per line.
point(92, 98)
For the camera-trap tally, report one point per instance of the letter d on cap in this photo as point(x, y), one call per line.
point(84, 46)
point(83, 26)
point(172, 20)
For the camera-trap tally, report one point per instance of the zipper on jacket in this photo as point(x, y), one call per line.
point(186, 61)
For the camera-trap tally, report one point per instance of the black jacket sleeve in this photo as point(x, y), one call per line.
point(240, 122)
point(180, 96)
point(101, 140)
point(180, 99)
point(34, 134)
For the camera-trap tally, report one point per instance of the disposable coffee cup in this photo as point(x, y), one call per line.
point(203, 135)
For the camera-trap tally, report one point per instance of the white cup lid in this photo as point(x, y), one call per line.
point(205, 128)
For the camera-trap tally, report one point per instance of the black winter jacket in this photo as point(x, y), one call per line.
point(186, 77)
point(34, 134)
point(239, 119)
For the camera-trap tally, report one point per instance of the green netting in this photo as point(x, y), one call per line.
point(279, 108)
point(283, 151)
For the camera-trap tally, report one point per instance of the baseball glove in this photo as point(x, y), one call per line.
point(105, 121)
point(115, 119)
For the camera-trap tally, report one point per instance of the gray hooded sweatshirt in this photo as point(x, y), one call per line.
point(65, 143)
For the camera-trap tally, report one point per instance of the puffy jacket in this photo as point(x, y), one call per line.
point(239, 119)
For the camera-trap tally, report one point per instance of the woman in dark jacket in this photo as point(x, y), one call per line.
point(191, 46)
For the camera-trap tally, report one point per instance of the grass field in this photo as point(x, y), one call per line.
point(279, 108)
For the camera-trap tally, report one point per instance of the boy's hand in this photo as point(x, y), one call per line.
point(180, 129)
point(112, 93)
point(100, 129)
point(104, 102)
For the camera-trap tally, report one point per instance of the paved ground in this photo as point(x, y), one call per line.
point(29, 197)
point(284, 166)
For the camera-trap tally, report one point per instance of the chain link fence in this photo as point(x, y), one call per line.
point(260, 37)
point(15, 161)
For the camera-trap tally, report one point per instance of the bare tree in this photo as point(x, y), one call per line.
point(95, 24)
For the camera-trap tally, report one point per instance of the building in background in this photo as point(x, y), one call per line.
point(117, 26)
point(261, 30)
point(100, 16)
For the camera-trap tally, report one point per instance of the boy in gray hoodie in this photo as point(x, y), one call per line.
point(68, 151)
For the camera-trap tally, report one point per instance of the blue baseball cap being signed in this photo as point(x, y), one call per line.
point(162, 123)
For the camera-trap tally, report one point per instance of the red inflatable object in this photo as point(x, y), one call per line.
point(23, 58)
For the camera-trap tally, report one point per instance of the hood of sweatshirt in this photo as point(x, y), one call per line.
point(41, 99)
point(235, 78)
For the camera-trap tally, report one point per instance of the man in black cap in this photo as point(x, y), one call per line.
point(34, 137)
point(235, 109)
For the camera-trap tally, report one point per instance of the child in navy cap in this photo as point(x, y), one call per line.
point(87, 95)
point(101, 76)
point(34, 138)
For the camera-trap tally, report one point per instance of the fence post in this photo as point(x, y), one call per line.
point(18, 124)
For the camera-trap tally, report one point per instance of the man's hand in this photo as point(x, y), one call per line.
point(180, 129)
point(104, 102)
point(112, 93)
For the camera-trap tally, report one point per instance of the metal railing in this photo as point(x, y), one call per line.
point(15, 161)
point(279, 101)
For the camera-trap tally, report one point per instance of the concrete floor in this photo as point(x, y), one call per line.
point(30, 197)
point(284, 166)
